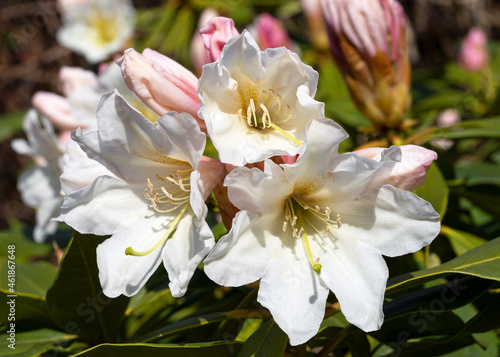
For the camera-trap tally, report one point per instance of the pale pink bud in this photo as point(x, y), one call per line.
point(198, 54)
point(161, 83)
point(271, 33)
point(473, 53)
point(410, 172)
point(55, 108)
point(72, 78)
point(215, 35)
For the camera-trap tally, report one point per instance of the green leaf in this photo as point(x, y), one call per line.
point(217, 348)
point(485, 197)
point(198, 321)
point(435, 190)
point(485, 128)
point(434, 300)
point(269, 340)
point(30, 285)
point(460, 241)
point(482, 262)
point(76, 301)
point(32, 343)
point(478, 173)
point(33, 279)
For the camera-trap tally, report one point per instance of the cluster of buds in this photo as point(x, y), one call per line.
point(368, 42)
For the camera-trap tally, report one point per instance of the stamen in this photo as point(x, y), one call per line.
point(131, 251)
point(339, 222)
point(284, 226)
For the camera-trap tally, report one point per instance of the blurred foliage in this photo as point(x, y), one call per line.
point(449, 309)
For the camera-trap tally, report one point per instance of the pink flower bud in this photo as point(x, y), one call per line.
point(160, 82)
point(271, 33)
point(473, 53)
point(410, 172)
point(55, 108)
point(198, 54)
point(215, 35)
point(72, 78)
point(368, 42)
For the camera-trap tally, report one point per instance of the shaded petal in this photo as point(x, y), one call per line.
point(249, 189)
point(240, 257)
point(323, 137)
point(357, 274)
point(185, 251)
point(393, 221)
point(292, 291)
point(122, 274)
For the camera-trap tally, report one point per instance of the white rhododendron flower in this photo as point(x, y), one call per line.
point(320, 224)
point(256, 104)
point(39, 186)
point(149, 195)
point(97, 29)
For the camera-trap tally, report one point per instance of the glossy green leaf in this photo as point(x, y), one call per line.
point(269, 340)
point(435, 190)
point(483, 262)
point(217, 348)
point(434, 300)
point(76, 301)
point(485, 197)
point(32, 343)
point(31, 284)
point(460, 241)
point(33, 279)
point(197, 321)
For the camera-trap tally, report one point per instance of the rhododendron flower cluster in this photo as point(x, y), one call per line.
point(304, 220)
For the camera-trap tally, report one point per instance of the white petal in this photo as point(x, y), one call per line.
point(241, 256)
point(249, 189)
point(184, 251)
point(323, 137)
point(104, 205)
point(357, 274)
point(122, 274)
point(393, 221)
point(292, 291)
point(79, 171)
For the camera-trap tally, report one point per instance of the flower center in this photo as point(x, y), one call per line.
point(266, 112)
point(173, 194)
point(104, 25)
point(295, 215)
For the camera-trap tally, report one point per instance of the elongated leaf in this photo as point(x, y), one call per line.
point(461, 242)
point(217, 348)
point(76, 301)
point(486, 128)
point(483, 262)
point(197, 321)
point(269, 340)
point(435, 190)
point(434, 300)
point(33, 279)
point(32, 343)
